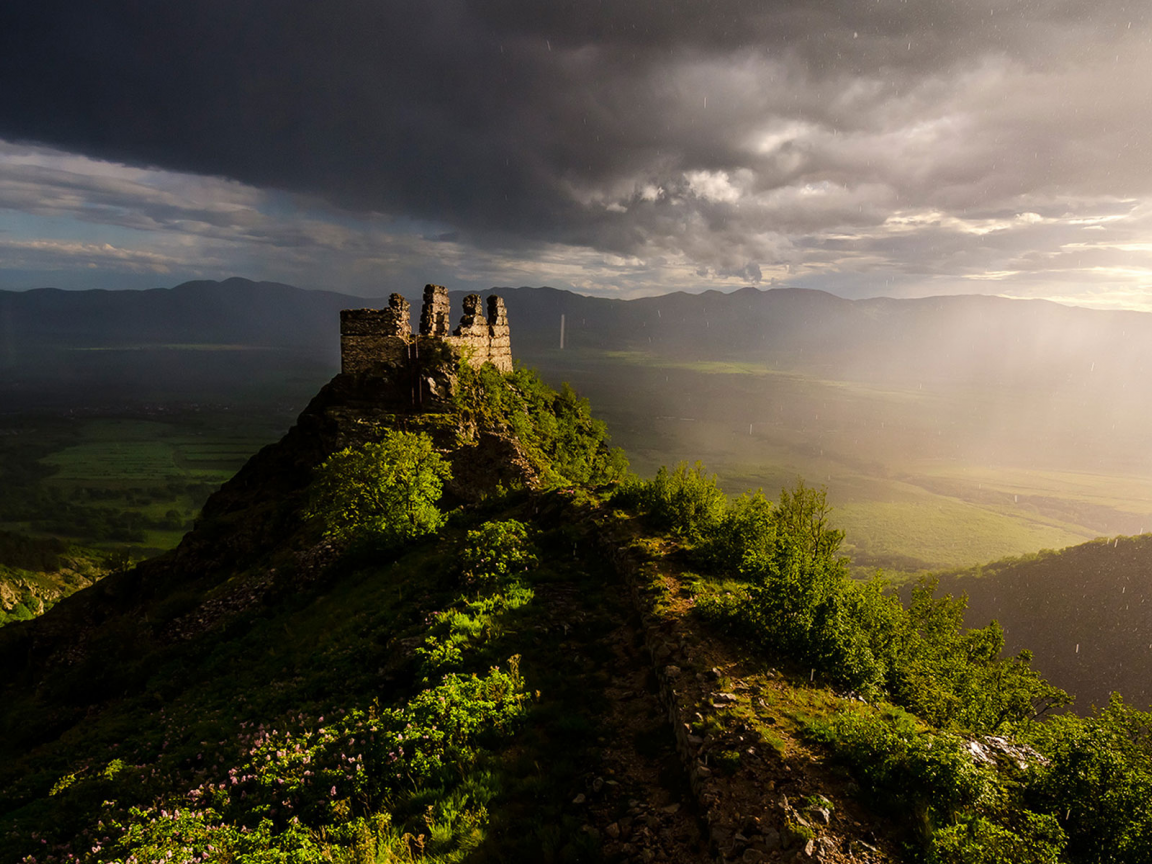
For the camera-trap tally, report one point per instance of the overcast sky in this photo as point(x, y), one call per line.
point(619, 148)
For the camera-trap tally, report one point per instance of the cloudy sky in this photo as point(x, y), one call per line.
point(614, 147)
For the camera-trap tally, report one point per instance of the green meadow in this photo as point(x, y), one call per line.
point(127, 481)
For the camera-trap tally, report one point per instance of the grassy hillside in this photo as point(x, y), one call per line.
point(36, 573)
point(524, 659)
point(277, 727)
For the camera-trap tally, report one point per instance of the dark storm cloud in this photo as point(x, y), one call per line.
point(719, 131)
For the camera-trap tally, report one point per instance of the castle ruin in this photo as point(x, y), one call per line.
point(370, 337)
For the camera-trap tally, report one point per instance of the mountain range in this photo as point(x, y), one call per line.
point(959, 338)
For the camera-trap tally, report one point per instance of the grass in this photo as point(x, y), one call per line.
point(125, 451)
point(120, 461)
point(937, 531)
point(922, 476)
point(305, 655)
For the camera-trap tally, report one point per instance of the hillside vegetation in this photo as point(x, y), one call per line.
point(36, 573)
point(949, 734)
point(464, 633)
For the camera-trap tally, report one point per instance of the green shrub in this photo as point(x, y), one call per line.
point(496, 553)
point(1099, 781)
point(557, 431)
point(802, 604)
point(927, 772)
point(742, 539)
point(949, 675)
point(1038, 839)
point(384, 492)
point(686, 501)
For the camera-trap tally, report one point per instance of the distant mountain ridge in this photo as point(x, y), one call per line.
point(955, 337)
point(235, 311)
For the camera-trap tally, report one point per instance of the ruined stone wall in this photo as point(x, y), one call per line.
point(500, 336)
point(484, 339)
point(372, 336)
point(436, 313)
point(369, 337)
point(472, 338)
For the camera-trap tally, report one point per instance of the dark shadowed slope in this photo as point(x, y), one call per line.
point(1085, 612)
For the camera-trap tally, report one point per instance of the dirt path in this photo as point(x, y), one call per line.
point(705, 749)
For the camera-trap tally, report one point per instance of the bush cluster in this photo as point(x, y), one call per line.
point(1099, 781)
point(556, 430)
point(1084, 794)
point(496, 553)
point(801, 604)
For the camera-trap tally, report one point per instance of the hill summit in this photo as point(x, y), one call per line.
point(439, 621)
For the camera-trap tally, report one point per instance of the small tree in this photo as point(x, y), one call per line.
point(384, 492)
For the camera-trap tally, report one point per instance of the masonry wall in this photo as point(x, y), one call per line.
point(500, 344)
point(369, 337)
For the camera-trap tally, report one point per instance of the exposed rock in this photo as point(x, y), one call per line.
point(993, 750)
point(771, 839)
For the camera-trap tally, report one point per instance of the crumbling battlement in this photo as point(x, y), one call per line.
point(369, 337)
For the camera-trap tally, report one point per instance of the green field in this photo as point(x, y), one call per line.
point(129, 480)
